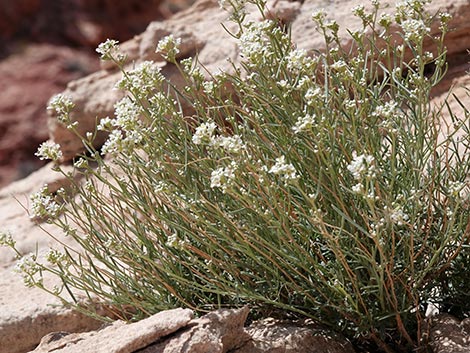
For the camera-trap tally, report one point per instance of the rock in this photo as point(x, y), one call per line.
point(13, 14)
point(459, 95)
point(81, 22)
point(27, 314)
point(446, 334)
point(14, 218)
point(220, 331)
point(68, 31)
point(190, 44)
point(275, 336)
point(118, 337)
point(29, 78)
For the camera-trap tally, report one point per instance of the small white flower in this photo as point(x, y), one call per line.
point(6, 239)
point(223, 177)
point(81, 163)
point(208, 87)
point(106, 124)
point(299, 62)
point(204, 133)
point(114, 143)
point(414, 30)
point(358, 188)
point(49, 150)
point(169, 47)
point(61, 104)
point(43, 204)
point(455, 188)
point(232, 144)
point(107, 49)
point(385, 20)
point(339, 66)
point(304, 123)
point(255, 45)
point(313, 95)
point(319, 15)
point(27, 266)
point(283, 169)
point(142, 80)
point(362, 166)
point(127, 115)
point(284, 84)
point(54, 256)
point(387, 110)
point(398, 217)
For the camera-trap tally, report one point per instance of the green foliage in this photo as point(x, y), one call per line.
point(318, 185)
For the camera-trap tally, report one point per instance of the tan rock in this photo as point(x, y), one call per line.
point(274, 336)
point(14, 217)
point(190, 44)
point(220, 331)
point(27, 314)
point(118, 337)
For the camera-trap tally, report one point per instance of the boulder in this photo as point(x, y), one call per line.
point(118, 337)
point(220, 331)
point(277, 336)
point(29, 78)
point(446, 334)
point(27, 314)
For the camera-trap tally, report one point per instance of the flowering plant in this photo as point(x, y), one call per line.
point(320, 185)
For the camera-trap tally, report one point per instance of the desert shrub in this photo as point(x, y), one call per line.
point(308, 184)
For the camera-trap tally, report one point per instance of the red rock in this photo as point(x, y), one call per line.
point(29, 78)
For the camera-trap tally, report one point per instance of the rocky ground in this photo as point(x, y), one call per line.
point(43, 46)
point(25, 313)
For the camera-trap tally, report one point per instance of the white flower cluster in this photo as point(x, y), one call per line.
point(223, 177)
point(231, 144)
point(6, 239)
point(114, 143)
point(127, 115)
point(142, 80)
point(313, 96)
point(387, 110)
point(204, 134)
point(169, 47)
point(126, 128)
point(49, 150)
point(362, 166)
point(283, 169)
point(398, 216)
point(108, 49)
point(173, 241)
point(61, 104)
point(27, 266)
point(455, 188)
point(55, 257)
point(304, 123)
point(414, 30)
point(255, 45)
point(299, 62)
point(43, 204)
